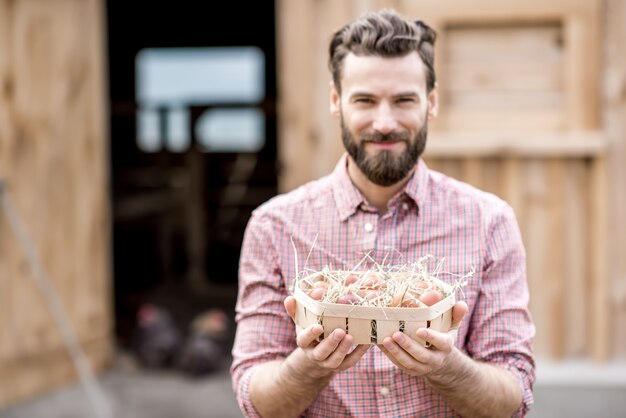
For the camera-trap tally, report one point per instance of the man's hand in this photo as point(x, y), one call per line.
point(417, 360)
point(472, 388)
point(286, 387)
point(332, 354)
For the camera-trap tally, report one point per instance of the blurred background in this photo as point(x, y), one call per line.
point(137, 137)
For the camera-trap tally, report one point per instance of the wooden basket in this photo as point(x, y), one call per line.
point(370, 325)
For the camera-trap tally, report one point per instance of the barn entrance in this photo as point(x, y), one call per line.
point(193, 149)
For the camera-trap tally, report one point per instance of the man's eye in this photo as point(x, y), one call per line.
point(363, 100)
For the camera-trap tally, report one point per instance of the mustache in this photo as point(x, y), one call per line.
point(390, 137)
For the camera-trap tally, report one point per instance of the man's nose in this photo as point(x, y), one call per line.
point(384, 120)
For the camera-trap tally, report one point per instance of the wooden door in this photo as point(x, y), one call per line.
point(521, 116)
point(53, 162)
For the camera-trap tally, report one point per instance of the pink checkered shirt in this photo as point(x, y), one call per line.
point(331, 223)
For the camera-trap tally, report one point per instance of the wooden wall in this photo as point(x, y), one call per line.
point(527, 113)
point(53, 158)
point(614, 119)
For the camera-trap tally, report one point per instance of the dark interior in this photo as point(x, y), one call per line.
point(179, 217)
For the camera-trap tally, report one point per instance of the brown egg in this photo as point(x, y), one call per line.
point(373, 294)
point(373, 281)
point(317, 293)
point(431, 297)
point(321, 283)
point(411, 302)
point(348, 299)
point(350, 279)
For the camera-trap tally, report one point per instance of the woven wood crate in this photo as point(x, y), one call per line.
point(370, 325)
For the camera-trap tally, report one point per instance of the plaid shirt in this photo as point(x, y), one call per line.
point(331, 224)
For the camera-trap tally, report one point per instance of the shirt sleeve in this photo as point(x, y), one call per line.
point(501, 328)
point(264, 330)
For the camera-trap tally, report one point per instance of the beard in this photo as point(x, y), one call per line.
point(385, 168)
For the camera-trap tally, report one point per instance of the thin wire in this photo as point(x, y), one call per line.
point(99, 402)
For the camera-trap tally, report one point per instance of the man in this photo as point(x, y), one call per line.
point(381, 199)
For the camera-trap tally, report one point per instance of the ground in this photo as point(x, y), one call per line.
point(135, 392)
point(573, 390)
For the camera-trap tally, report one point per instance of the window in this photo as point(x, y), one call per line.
point(228, 81)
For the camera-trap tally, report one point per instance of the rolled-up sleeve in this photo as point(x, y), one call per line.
point(501, 327)
point(264, 330)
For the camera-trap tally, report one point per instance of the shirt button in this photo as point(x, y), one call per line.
point(369, 227)
point(405, 206)
point(384, 390)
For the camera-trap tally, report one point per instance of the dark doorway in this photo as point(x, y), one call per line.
point(188, 167)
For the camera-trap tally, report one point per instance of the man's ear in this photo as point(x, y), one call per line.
point(335, 100)
point(433, 103)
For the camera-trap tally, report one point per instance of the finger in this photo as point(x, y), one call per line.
point(390, 356)
point(458, 313)
point(437, 340)
point(412, 358)
point(404, 350)
point(387, 353)
point(309, 335)
point(332, 343)
point(410, 350)
point(335, 353)
point(290, 306)
point(356, 354)
point(353, 358)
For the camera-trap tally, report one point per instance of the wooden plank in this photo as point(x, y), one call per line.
point(294, 40)
point(512, 186)
point(492, 177)
point(614, 82)
point(601, 324)
point(448, 166)
point(434, 164)
point(329, 16)
point(520, 144)
point(6, 83)
point(472, 172)
point(554, 279)
point(93, 232)
point(41, 42)
point(476, 43)
point(536, 194)
point(526, 101)
point(582, 95)
point(526, 58)
point(5, 136)
point(576, 257)
point(380, 4)
point(503, 10)
point(542, 119)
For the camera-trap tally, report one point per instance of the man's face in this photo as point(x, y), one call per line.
point(385, 167)
point(384, 111)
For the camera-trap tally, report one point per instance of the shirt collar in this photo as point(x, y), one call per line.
point(348, 198)
point(417, 186)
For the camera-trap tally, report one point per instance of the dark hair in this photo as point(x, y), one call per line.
point(384, 33)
